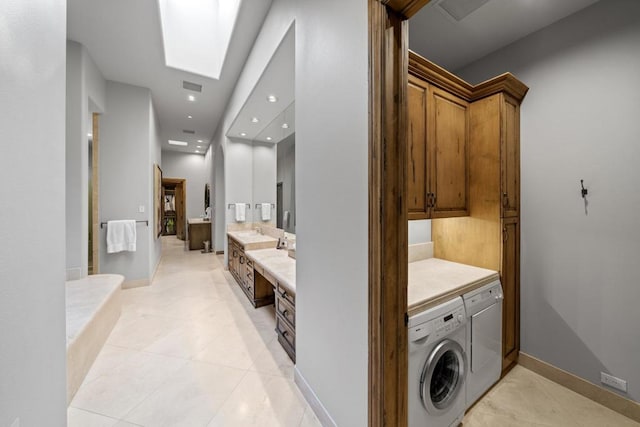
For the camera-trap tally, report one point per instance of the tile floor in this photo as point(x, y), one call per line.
point(190, 350)
point(526, 399)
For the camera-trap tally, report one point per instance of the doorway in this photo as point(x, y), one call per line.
point(279, 209)
point(174, 194)
point(94, 199)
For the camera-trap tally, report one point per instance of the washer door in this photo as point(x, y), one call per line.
point(442, 376)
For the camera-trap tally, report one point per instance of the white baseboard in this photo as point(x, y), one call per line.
point(135, 283)
point(319, 409)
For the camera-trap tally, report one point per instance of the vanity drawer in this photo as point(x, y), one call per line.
point(285, 332)
point(286, 295)
point(286, 311)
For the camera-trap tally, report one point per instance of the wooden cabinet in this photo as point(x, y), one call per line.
point(510, 278)
point(510, 156)
point(257, 287)
point(198, 232)
point(286, 320)
point(438, 136)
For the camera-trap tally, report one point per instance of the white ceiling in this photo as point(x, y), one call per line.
point(453, 44)
point(277, 79)
point(124, 38)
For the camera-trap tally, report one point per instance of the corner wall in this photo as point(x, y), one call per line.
point(126, 177)
point(332, 152)
point(579, 272)
point(32, 254)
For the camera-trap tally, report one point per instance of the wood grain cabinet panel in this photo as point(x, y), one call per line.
point(447, 142)
point(510, 156)
point(438, 153)
point(417, 199)
point(510, 276)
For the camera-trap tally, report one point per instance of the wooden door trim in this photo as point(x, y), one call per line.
point(388, 240)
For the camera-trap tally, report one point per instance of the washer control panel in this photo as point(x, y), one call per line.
point(448, 323)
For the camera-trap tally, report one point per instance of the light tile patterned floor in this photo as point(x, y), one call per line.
point(190, 350)
point(526, 399)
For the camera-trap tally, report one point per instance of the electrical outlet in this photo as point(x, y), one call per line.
point(141, 208)
point(614, 382)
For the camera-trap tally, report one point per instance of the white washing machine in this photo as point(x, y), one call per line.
point(484, 339)
point(437, 365)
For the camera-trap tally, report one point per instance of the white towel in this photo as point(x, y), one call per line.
point(241, 209)
point(121, 236)
point(266, 211)
point(286, 218)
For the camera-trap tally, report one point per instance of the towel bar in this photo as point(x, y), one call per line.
point(102, 224)
point(233, 205)
point(259, 205)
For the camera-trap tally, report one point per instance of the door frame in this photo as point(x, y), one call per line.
point(180, 207)
point(388, 234)
point(95, 194)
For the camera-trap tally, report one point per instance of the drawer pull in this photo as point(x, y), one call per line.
point(241, 259)
point(285, 333)
point(285, 312)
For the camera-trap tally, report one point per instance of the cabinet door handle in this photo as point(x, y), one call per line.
point(505, 199)
point(434, 198)
point(505, 235)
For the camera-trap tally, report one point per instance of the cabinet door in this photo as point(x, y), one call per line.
point(510, 157)
point(417, 199)
point(510, 276)
point(448, 145)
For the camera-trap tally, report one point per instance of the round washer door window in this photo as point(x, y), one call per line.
point(442, 376)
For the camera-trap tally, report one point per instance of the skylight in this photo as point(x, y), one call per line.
point(196, 34)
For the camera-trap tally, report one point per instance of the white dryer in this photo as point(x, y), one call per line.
point(437, 365)
point(484, 339)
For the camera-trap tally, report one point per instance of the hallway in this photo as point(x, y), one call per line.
point(189, 350)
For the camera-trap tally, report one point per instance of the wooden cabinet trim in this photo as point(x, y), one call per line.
point(438, 76)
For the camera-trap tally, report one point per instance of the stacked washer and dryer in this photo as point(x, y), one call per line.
point(455, 355)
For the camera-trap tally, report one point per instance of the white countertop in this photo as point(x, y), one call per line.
point(433, 281)
point(198, 221)
point(278, 263)
point(251, 239)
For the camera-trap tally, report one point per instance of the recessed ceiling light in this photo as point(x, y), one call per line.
point(180, 143)
point(189, 117)
point(254, 120)
point(191, 98)
point(243, 134)
point(90, 135)
point(197, 151)
point(269, 138)
point(199, 146)
point(200, 141)
point(285, 126)
point(272, 98)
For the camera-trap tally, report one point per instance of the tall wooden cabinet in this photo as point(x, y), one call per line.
point(489, 236)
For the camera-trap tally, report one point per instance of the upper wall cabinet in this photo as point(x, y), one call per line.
point(438, 135)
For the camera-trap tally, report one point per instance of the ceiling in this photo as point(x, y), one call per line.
point(452, 44)
point(124, 38)
point(278, 80)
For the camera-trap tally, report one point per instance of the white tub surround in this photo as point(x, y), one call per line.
point(93, 307)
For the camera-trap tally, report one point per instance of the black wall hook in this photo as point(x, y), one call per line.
point(584, 190)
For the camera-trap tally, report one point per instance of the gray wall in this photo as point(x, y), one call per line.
point(32, 260)
point(155, 157)
point(85, 94)
point(218, 190)
point(126, 175)
point(286, 174)
point(580, 121)
point(193, 168)
point(332, 205)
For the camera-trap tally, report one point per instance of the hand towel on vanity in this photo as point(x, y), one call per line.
point(266, 211)
point(241, 212)
point(121, 236)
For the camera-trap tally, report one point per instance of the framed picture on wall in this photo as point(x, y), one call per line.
point(157, 199)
